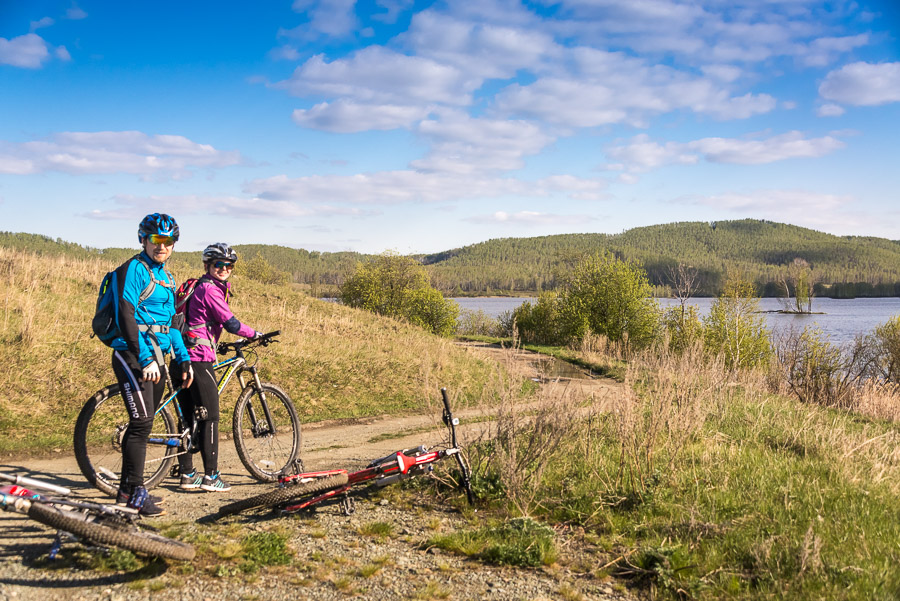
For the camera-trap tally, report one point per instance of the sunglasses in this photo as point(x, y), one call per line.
point(223, 264)
point(160, 239)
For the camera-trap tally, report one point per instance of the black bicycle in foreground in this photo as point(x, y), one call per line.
point(96, 524)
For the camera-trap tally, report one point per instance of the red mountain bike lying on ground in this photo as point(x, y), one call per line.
point(302, 491)
point(97, 524)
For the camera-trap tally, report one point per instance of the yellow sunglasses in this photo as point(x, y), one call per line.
point(160, 239)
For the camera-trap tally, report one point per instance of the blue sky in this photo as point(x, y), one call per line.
point(423, 126)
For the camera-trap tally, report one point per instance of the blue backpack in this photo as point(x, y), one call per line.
point(105, 323)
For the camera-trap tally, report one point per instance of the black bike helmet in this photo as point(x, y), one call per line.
point(157, 223)
point(219, 252)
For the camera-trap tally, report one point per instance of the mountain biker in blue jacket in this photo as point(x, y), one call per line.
point(138, 355)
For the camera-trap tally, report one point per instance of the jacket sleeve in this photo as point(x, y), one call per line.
point(220, 311)
point(133, 281)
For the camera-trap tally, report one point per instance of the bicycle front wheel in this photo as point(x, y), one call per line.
point(280, 496)
point(98, 437)
point(266, 447)
point(122, 534)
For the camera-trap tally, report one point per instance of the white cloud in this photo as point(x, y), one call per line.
point(392, 9)
point(464, 145)
point(743, 31)
point(828, 212)
point(284, 53)
point(608, 87)
point(347, 116)
point(376, 75)
point(725, 73)
point(130, 207)
point(75, 13)
point(529, 218)
point(28, 51)
point(791, 145)
point(822, 52)
point(330, 18)
point(132, 152)
point(863, 84)
point(44, 22)
point(482, 49)
point(830, 110)
point(643, 154)
point(63, 54)
point(394, 187)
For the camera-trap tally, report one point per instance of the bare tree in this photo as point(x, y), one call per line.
point(684, 281)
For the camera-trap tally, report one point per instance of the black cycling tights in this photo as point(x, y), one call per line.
point(202, 393)
point(141, 400)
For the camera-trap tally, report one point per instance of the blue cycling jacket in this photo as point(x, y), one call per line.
point(156, 310)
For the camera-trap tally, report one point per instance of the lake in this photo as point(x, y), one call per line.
point(842, 320)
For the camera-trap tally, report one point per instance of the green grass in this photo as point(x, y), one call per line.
point(516, 542)
point(265, 549)
point(768, 501)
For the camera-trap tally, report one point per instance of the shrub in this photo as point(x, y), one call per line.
point(398, 287)
point(885, 351)
point(734, 329)
point(542, 322)
point(606, 295)
point(477, 323)
point(262, 271)
point(683, 327)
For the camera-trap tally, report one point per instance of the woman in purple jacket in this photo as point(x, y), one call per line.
point(206, 315)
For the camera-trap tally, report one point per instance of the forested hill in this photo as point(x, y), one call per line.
point(845, 266)
point(761, 250)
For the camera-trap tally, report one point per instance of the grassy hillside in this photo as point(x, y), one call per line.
point(335, 362)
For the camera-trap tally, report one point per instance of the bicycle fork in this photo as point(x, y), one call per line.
point(260, 429)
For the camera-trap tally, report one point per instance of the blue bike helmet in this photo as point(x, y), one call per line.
point(157, 223)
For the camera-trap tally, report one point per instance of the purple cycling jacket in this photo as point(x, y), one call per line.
point(208, 308)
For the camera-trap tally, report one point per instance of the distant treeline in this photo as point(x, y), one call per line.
point(761, 251)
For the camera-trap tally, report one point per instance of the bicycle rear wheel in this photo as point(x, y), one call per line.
point(124, 535)
point(282, 495)
point(98, 441)
point(264, 453)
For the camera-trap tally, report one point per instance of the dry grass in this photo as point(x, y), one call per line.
point(334, 361)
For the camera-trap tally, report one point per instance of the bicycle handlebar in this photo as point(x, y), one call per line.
point(265, 340)
point(32, 483)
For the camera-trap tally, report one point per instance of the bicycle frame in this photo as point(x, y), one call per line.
point(386, 470)
point(236, 364)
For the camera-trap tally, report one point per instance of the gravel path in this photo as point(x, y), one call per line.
point(332, 556)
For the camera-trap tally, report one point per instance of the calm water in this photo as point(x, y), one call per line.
point(842, 319)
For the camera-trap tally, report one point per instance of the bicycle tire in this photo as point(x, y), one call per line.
point(282, 495)
point(264, 455)
point(97, 442)
point(124, 536)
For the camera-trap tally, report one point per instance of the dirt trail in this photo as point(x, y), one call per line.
point(338, 444)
